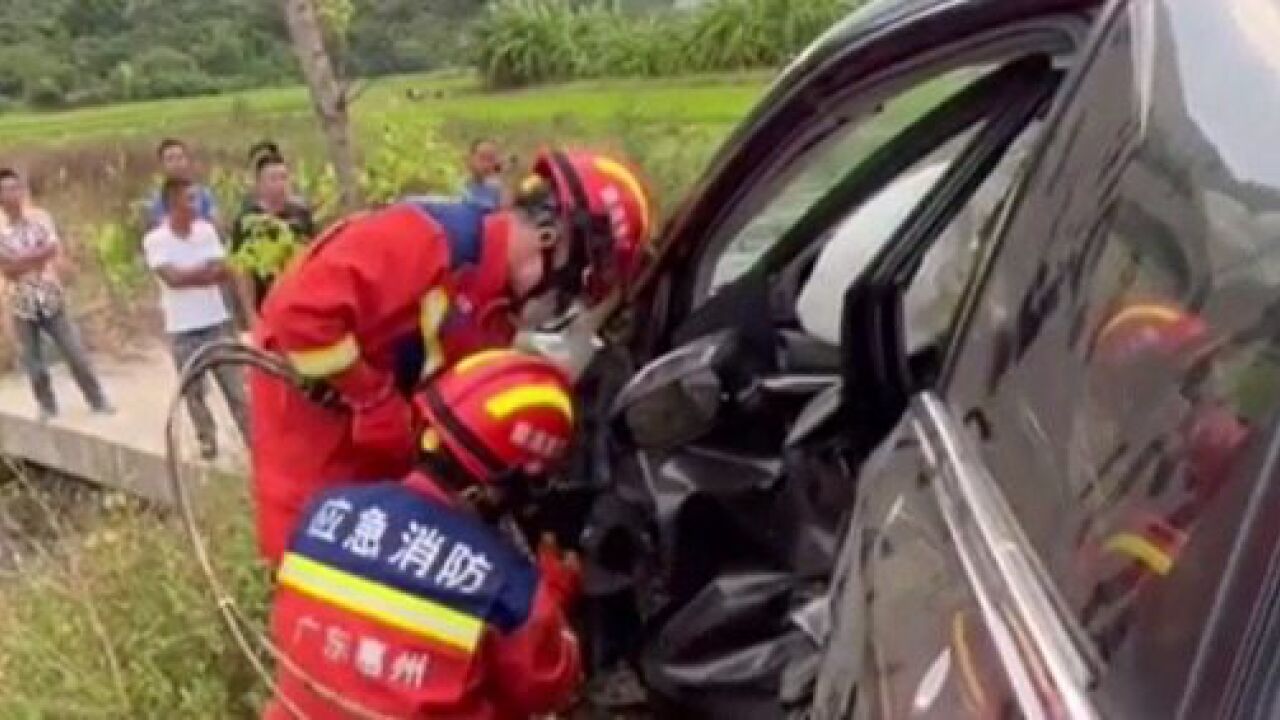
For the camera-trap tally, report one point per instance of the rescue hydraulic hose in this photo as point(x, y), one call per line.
point(250, 639)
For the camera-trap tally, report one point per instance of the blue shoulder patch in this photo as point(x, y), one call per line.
point(387, 533)
point(463, 224)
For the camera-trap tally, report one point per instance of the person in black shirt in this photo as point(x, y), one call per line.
point(272, 217)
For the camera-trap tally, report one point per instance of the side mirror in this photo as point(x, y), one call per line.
point(675, 399)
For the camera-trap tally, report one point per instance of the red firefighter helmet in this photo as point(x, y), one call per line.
point(610, 217)
point(499, 412)
point(1150, 329)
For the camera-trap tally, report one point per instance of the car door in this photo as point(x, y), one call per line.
point(1080, 522)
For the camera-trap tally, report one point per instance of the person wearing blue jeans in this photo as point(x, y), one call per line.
point(230, 381)
point(29, 249)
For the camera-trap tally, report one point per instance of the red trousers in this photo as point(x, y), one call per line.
point(298, 449)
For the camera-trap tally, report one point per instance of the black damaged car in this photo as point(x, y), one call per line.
point(970, 418)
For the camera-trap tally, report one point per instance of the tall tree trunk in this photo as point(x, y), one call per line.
point(328, 95)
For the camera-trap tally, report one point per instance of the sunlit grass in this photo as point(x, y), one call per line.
point(718, 99)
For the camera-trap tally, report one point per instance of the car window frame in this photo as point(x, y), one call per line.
point(1052, 34)
point(876, 369)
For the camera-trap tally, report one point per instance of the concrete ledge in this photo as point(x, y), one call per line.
point(84, 456)
point(125, 451)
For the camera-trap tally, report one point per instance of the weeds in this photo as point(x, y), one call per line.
point(526, 42)
point(107, 616)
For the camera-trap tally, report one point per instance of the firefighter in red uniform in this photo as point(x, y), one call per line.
point(400, 599)
point(385, 300)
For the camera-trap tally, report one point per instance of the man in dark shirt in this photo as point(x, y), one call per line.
point(273, 219)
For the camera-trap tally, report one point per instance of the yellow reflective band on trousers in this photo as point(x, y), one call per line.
point(435, 305)
point(513, 401)
point(1141, 549)
point(326, 361)
point(380, 603)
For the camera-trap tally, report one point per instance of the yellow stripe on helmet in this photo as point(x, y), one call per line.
point(622, 174)
point(505, 404)
point(1149, 312)
point(486, 357)
point(326, 361)
point(380, 603)
point(1142, 550)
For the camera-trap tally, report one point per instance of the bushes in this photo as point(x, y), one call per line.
point(524, 42)
point(109, 617)
point(409, 157)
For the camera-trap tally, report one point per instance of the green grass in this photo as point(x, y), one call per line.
point(705, 100)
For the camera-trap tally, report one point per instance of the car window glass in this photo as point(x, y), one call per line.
point(821, 169)
point(936, 289)
point(1124, 353)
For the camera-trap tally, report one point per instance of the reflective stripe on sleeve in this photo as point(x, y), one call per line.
point(326, 361)
point(435, 306)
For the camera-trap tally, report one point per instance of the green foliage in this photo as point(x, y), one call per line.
point(671, 155)
point(286, 112)
point(409, 157)
point(116, 247)
point(113, 620)
point(269, 246)
point(335, 16)
point(164, 72)
point(79, 52)
point(524, 42)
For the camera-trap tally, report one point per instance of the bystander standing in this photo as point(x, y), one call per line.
point(176, 164)
point(484, 185)
point(187, 255)
point(271, 213)
point(29, 254)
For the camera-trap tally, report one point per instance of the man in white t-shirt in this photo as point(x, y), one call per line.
point(188, 258)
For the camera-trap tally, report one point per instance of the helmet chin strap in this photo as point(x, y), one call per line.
point(566, 280)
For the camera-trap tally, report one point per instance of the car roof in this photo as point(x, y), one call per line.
point(887, 16)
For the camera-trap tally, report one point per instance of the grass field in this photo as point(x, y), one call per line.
point(713, 100)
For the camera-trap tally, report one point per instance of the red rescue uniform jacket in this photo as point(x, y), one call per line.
point(389, 297)
point(408, 607)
